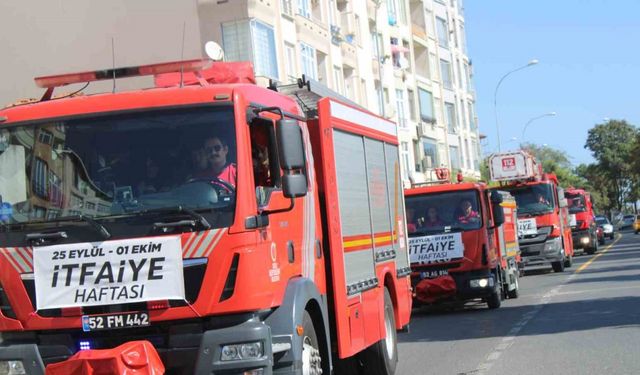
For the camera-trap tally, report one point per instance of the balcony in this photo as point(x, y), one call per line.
point(419, 31)
point(349, 56)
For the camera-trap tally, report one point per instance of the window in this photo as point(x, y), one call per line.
point(443, 32)
point(304, 8)
point(363, 92)
point(308, 61)
point(426, 105)
point(356, 29)
point(287, 7)
point(445, 71)
point(454, 155)
point(472, 120)
point(380, 97)
point(476, 155)
point(251, 41)
point(431, 31)
point(236, 41)
point(404, 151)
point(338, 79)
point(412, 104)
point(403, 11)
point(45, 137)
point(460, 79)
point(392, 12)
point(452, 125)
point(40, 179)
point(463, 118)
point(453, 31)
point(290, 60)
point(430, 148)
point(264, 50)
point(401, 108)
point(376, 40)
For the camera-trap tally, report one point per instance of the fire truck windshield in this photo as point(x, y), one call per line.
point(119, 165)
point(533, 199)
point(576, 203)
point(442, 212)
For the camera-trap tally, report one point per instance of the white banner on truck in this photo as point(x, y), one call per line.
point(438, 248)
point(109, 272)
point(527, 227)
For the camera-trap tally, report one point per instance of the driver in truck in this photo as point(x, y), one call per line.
point(467, 213)
point(211, 161)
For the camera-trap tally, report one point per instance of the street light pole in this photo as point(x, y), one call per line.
point(495, 95)
point(550, 114)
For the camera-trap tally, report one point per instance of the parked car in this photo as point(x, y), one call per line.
point(636, 224)
point(607, 227)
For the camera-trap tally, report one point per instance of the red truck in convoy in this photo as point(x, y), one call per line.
point(462, 243)
point(544, 227)
point(584, 229)
point(205, 225)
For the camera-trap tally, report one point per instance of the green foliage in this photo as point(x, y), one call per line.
point(558, 162)
point(614, 145)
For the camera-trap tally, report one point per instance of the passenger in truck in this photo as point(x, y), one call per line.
point(433, 218)
point(543, 200)
point(467, 214)
point(211, 161)
point(412, 226)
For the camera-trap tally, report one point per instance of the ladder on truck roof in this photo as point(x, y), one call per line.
point(307, 92)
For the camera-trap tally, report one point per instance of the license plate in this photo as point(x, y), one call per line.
point(433, 274)
point(114, 321)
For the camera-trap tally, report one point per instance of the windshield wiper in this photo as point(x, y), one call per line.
point(195, 221)
point(42, 237)
point(101, 229)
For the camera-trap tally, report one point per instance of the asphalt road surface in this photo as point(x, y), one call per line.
point(583, 321)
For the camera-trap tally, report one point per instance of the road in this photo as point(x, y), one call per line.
point(583, 321)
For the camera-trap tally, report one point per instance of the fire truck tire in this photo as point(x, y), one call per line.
point(311, 354)
point(568, 262)
point(382, 357)
point(558, 266)
point(495, 299)
point(515, 292)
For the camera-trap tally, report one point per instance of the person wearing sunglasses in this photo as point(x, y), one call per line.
point(211, 161)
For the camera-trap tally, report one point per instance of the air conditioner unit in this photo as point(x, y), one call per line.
point(421, 129)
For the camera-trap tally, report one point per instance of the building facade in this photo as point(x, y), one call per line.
point(403, 59)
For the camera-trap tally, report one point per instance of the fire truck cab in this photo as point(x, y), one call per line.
point(205, 225)
point(544, 228)
point(462, 243)
point(584, 229)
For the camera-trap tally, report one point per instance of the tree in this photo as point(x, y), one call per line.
point(612, 144)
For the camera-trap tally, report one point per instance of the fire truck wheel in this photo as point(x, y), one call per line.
point(558, 266)
point(311, 356)
point(382, 357)
point(495, 299)
point(568, 262)
point(516, 290)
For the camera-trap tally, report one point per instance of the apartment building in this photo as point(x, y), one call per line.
point(403, 59)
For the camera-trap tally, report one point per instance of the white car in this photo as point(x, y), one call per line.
point(607, 227)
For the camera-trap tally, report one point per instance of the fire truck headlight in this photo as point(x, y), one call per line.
point(584, 240)
point(238, 352)
point(481, 283)
point(12, 368)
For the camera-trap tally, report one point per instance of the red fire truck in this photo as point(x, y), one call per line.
point(544, 228)
point(462, 243)
point(584, 229)
point(206, 225)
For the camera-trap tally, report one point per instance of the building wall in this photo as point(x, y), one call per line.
point(334, 38)
point(63, 36)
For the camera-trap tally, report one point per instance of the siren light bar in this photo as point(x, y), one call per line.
point(50, 82)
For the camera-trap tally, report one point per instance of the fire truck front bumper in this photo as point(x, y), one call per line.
point(543, 253)
point(582, 239)
point(245, 348)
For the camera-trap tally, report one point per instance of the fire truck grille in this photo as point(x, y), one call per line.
point(5, 306)
point(193, 276)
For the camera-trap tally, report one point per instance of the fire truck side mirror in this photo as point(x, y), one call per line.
point(292, 158)
point(496, 207)
point(563, 202)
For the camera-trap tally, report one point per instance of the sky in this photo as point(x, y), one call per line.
point(588, 70)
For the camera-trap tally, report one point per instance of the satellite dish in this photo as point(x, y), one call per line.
point(214, 51)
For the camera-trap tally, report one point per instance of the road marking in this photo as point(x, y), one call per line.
point(584, 266)
point(598, 290)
